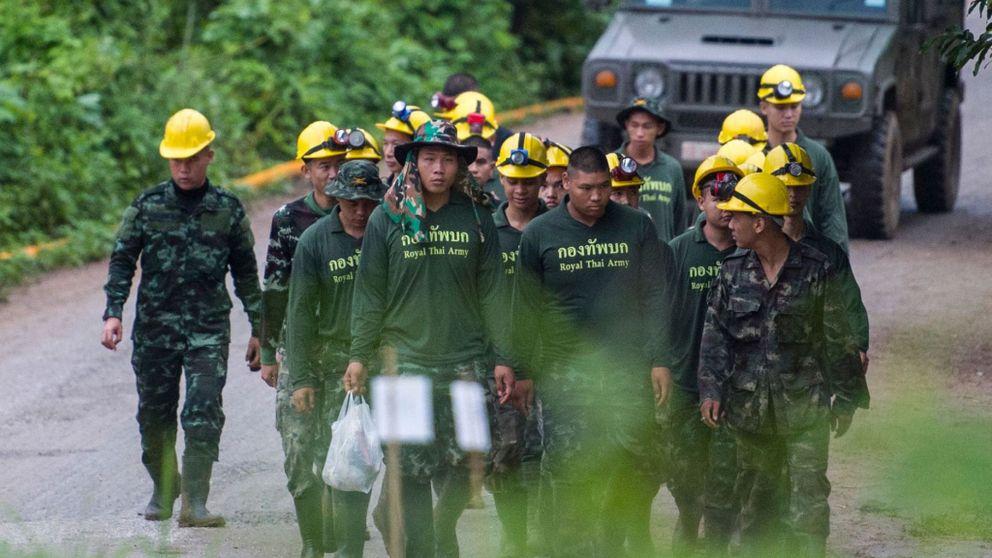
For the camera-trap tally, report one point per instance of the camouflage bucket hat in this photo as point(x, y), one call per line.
point(357, 179)
point(438, 133)
point(649, 106)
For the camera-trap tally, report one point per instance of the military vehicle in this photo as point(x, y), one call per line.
point(878, 102)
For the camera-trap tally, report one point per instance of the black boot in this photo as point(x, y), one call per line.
point(309, 518)
point(350, 509)
point(164, 472)
point(330, 544)
point(195, 488)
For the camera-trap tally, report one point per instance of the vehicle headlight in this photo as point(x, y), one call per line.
point(814, 90)
point(649, 83)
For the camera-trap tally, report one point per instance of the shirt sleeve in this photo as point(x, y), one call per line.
point(303, 309)
point(278, 265)
point(527, 305)
point(681, 216)
point(369, 299)
point(846, 376)
point(657, 280)
point(123, 262)
point(244, 268)
point(715, 349)
point(828, 208)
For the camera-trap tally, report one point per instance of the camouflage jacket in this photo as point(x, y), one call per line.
point(185, 255)
point(776, 355)
point(288, 223)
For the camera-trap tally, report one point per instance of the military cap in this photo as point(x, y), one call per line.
point(649, 106)
point(437, 133)
point(356, 179)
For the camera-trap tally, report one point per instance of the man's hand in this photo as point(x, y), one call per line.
point(840, 419)
point(710, 410)
point(505, 380)
point(270, 374)
point(304, 399)
point(661, 381)
point(354, 378)
point(254, 355)
point(113, 332)
point(864, 362)
point(523, 396)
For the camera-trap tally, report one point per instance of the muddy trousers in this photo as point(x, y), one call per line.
point(784, 489)
point(157, 372)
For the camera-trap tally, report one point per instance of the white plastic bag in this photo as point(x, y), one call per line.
point(354, 457)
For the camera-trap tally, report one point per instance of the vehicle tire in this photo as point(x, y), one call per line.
point(935, 181)
point(604, 134)
point(876, 179)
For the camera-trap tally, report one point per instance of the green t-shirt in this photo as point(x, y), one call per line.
point(320, 291)
point(594, 296)
point(663, 193)
point(435, 302)
point(697, 264)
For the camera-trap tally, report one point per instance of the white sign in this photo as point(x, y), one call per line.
point(403, 409)
point(698, 150)
point(468, 403)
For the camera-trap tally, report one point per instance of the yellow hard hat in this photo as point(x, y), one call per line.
point(758, 193)
point(736, 150)
point(781, 85)
point(711, 165)
point(558, 154)
point(743, 125)
point(186, 133)
point(522, 155)
point(791, 164)
point(316, 141)
point(405, 119)
point(623, 171)
point(473, 115)
point(754, 163)
point(369, 150)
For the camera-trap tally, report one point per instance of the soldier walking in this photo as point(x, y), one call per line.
point(318, 336)
point(187, 234)
point(779, 365)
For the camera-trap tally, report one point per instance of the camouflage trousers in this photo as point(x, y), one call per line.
point(605, 459)
point(702, 475)
point(784, 489)
point(157, 374)
point(306, 437)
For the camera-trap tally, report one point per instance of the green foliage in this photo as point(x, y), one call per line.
point(85, 88)
point(958, 46)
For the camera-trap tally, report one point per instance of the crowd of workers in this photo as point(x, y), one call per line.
point(628, 335)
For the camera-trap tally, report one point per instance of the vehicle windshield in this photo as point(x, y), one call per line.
point(830, 7)
point(692, 4)
point(847, 8)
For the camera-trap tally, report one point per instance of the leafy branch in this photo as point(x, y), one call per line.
point(958, 46)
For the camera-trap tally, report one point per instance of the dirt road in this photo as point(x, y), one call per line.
point(73, 484)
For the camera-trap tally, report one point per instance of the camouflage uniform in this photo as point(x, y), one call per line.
point(775, 357)
point(288, 223)
point(182, 320)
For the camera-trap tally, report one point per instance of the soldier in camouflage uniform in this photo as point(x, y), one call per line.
point(704, 461)
point(320, 156)
point(428, 285)
point(187, 233)
point(779, 364)
point(590, 323)
point(318, 336)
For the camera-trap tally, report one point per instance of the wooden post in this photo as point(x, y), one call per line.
point(396, 543)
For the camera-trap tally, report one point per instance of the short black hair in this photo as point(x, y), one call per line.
point(478, 142)
point(459, 83)
point(588, 158)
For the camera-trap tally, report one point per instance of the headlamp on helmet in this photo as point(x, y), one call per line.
point(476, 121)
point(402, 111)
point(626, 169)
point(724, 184)
point(519, 157)
point(442, 102)
point(352, 139)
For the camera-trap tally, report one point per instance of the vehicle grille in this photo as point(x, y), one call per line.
point(716, 89)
